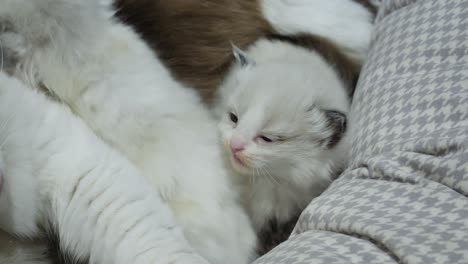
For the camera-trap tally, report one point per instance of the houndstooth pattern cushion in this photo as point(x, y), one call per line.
point(404, 196)
point(327, 248)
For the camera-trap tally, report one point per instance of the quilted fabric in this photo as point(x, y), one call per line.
point(404, 196)
point(327, 248)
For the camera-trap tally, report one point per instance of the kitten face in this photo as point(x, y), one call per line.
point(277, 117)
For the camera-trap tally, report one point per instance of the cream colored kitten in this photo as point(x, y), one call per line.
point(283, 120)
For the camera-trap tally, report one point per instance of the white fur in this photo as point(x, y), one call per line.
point(58, 172)
point(111, 79)
point(345, 22)
point(272, 98)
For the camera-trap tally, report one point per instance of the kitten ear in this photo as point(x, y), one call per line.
point(337, 124)
point(241, 56)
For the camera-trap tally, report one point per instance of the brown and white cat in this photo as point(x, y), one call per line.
point(193, 37)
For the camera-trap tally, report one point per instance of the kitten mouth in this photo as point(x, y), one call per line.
point(238, 162)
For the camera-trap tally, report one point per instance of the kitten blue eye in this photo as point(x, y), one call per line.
point(266, 139)
point(233, 117)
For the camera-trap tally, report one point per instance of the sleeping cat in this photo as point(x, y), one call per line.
point(193, 38)
point(283, 110)
point(108, 77)
point(58, 175)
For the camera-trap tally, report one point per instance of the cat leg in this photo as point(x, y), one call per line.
point(58, 169)
point(205, 203)
point(345, 22)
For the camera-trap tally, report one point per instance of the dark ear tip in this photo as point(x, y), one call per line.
point(337, 117)
point(337, 122)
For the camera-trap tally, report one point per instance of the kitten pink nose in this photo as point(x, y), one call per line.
point(237, 144)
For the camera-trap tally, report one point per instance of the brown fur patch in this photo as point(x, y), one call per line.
point(367, 4)
point(193, 37)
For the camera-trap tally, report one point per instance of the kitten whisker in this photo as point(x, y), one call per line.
point(1, 57)
point(270, 176)
point(5, 123)
point(252, 182)
point(260, 160)
point(4, 126)
point(252, 178)
point(4, 141)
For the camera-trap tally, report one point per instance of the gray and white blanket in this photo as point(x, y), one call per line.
point(404, 196)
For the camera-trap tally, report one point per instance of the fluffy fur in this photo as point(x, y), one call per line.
point(13, 251)
point(59, 175)
point(111, 79)
point(283, 117)
point(347, 23)
point(193, 38)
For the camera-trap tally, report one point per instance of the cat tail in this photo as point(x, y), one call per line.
point(98, 203)
point(346, 23)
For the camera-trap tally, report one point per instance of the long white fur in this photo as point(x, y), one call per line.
point(107, 76)
point(345, 22)
point(274, 96)
point(58, 171)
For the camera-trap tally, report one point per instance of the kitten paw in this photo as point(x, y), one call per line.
point(12, 48)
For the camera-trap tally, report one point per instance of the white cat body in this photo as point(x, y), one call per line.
point(59, 175)
point(345, 22)
point(111, 79)
point(281, 94)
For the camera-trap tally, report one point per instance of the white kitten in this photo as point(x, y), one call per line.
point(103, 71)
point(345, 22)
point(283, 115)
point(58, 174)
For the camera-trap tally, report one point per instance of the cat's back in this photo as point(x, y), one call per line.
point(193, 37)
